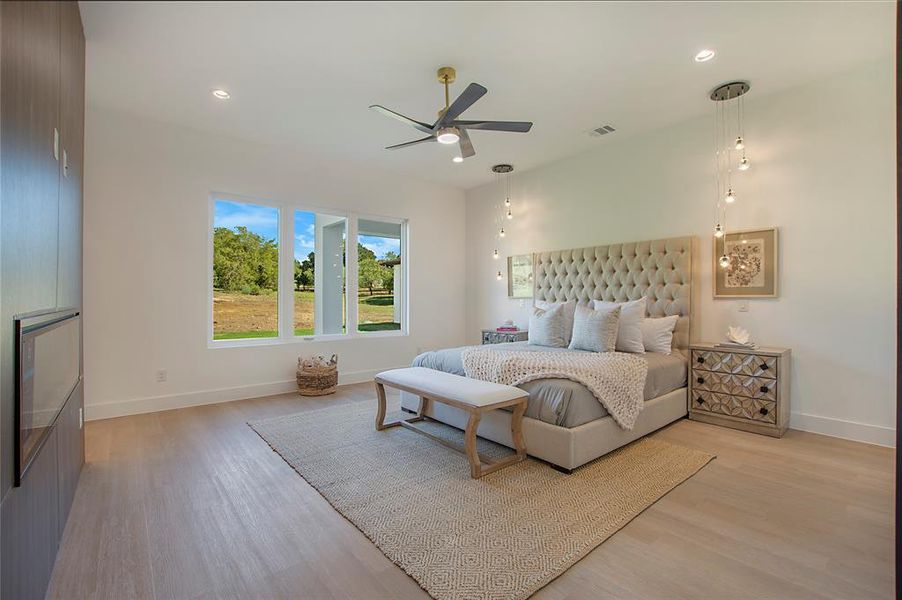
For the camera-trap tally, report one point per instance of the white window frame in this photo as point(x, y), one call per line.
point(404, 276)
point(286, 273)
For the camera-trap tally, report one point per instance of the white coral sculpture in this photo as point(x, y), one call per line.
point(738, 335)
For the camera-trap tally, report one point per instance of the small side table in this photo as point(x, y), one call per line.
point(490, 336)
point(739, 388)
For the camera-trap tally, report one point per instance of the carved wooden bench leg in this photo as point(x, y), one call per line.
point(380, 411)
point(517, 430)
point(470, 445)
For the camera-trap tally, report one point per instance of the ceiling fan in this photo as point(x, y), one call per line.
point(447, 129)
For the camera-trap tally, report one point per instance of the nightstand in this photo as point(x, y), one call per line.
point(742, 389)
point(490, 336)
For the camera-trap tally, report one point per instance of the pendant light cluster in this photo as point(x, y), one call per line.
point(503, 181)
point(729, 151)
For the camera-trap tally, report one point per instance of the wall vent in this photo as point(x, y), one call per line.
point(603, 130)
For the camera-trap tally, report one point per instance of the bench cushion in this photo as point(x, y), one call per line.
point(430, 382)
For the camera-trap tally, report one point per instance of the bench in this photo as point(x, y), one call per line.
point(471, 395)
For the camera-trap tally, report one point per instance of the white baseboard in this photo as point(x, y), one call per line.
point(138, 406)
point(849, 430)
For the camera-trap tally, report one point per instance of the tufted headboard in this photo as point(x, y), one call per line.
point(659, 270)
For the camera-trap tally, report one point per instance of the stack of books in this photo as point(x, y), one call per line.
point(506, 329)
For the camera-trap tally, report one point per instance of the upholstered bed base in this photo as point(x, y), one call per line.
point(565, 447)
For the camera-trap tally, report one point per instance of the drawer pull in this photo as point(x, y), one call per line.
point(763, 410)
point(700, 380)
point(700, 359)
point(700, 400)
point(763, 389)
point(764, 367)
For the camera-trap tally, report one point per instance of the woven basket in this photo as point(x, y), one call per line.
point(317, 376)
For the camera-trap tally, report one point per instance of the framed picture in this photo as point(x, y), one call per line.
point(753, 270)
point(519, 276)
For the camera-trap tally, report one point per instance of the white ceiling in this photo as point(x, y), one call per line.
point(304, 74)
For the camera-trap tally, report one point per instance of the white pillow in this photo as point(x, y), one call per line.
point(657, 334)
point(569, 308)
point(546, 327)
point(595, 330)
point(629, 336)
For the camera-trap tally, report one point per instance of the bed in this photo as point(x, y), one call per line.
point(565, 424)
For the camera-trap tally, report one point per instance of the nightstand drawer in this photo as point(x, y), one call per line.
point(739, 385)
point(490, 336)
point(753, 365)
point(741, 407)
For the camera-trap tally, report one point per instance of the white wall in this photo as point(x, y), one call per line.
point(823, 171)
point(147, 189)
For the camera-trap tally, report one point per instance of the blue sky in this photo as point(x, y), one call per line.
point(264, 221)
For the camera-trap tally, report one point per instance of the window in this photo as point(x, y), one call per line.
point(282, 274)
point(379, 276)
point(245, 271)
point(319, 274)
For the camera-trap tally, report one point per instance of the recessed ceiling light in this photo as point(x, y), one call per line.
point(458, 159)
point(705, 55)
point(221, 94)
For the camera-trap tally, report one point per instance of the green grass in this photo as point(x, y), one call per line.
point(244, 335)
point(379, 327)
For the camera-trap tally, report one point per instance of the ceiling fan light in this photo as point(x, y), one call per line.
point(457, 159)
point(448, 135)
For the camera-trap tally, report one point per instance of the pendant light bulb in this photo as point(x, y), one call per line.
point(718, 231)
point(731, 197)
point(740, 143)
point(501, 233)
point(744, 164)
point(724, 261)
point(510, 215)
point(507, 202)
point(495, 254)
point(498, 276)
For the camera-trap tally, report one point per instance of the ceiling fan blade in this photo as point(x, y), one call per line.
point(466, 99)
point(390, 113)
point(413, 143)
point(466, 146)
point(512, 126)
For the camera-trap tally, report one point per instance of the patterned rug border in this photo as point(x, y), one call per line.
point(538, 585)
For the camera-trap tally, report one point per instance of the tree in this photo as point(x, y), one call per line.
point(244, 261)
point(369, 274)
point(363, 252)
point(388, 282)
point(303, 272)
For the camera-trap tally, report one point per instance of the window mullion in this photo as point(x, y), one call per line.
point(351, 271)
point(286, 272)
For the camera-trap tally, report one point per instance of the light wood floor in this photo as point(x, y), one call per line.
point(192, 503)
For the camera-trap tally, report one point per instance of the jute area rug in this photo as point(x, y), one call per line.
point(500, 537)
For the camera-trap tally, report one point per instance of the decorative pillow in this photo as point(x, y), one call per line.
point(546, 327)
point(657, 334)
point(569, 309)
point(595, 330)
point(629, 336)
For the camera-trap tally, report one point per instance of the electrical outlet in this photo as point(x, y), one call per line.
point(161, 375)
point(743, 306)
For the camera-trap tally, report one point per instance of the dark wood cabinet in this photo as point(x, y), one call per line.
point(42, 103)
point(72, 136)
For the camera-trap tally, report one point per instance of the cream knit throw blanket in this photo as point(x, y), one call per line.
point(616, 379)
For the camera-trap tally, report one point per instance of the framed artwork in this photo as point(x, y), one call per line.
point(753, 271)
point(519, 276)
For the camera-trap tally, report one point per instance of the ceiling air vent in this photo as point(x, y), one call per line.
point(603, 130)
